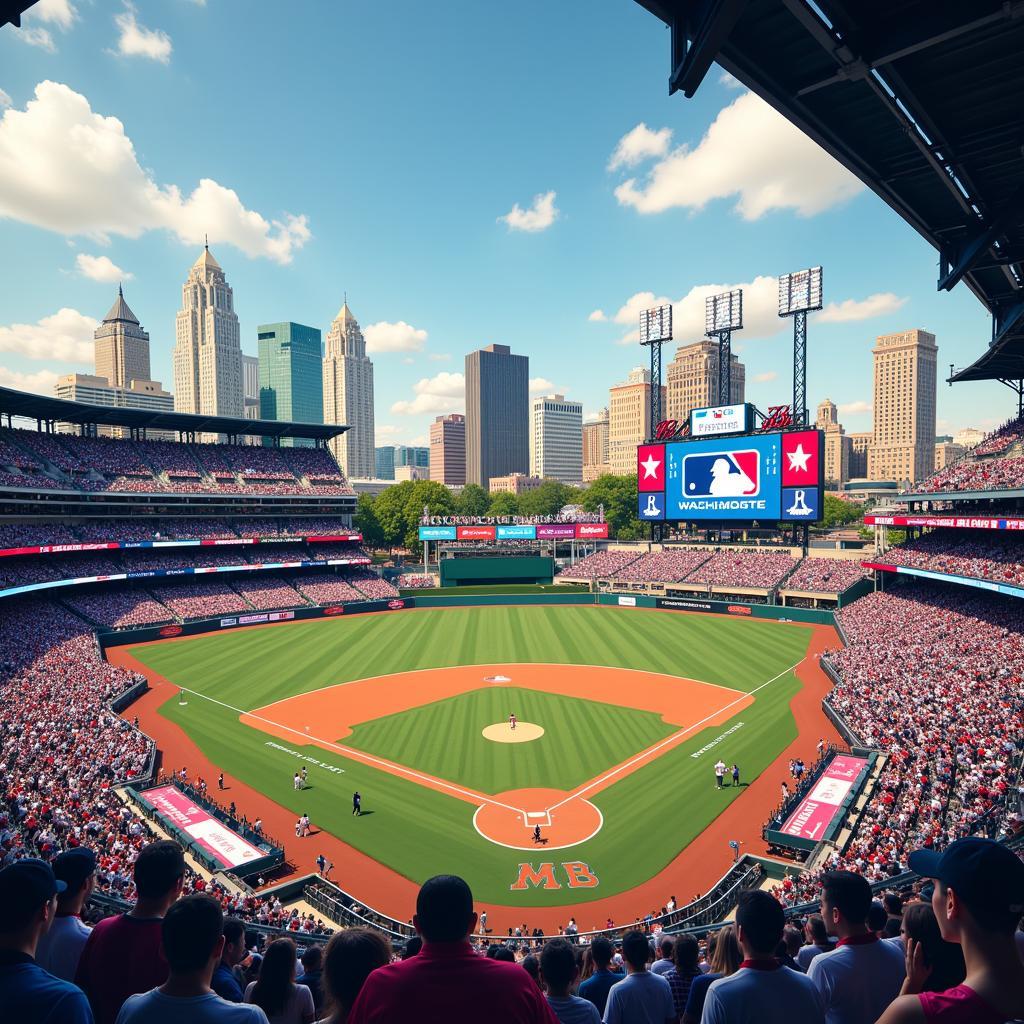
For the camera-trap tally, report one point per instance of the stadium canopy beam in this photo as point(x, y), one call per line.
point(967, 254)
point(699, 27)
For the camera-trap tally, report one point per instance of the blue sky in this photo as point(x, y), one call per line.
point(468, 173)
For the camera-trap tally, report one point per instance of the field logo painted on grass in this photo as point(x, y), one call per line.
point(306, 757)
point(578, 876)
point(718, 739)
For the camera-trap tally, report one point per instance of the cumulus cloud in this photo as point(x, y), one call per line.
point(539, 216)
point(68, 169)
point(5, 99)
point(38, 37)
point(100, 268)
point(397, 337)
point(749, 152)
point(542, 386)
point(65, 335)
point(39, 383)
point(136, 40)
point(444, 392)
point(439, 357)
point(766, 377)
point(861, 309)
point(638, 145)
point(597, 317)
point(60, 14)
point(729, 81)
point(854, 408)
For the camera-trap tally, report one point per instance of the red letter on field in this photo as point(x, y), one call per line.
point(544, 877)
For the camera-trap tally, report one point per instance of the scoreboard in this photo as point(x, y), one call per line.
point(768, 477)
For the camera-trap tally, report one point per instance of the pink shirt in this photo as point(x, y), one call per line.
point(959, 1005)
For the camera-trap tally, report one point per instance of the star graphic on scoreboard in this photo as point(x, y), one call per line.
point(798, 459)
point(651, 467)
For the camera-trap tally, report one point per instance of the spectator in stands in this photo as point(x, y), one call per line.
point(640, 997)
point(762, 991)
point(597, 986)
point(558, 971)
point(275, 990)
point(123, 954)
point(978, 900)
point(28, 903)
point(663, 947)
point(61, 947)
point(447, 981)
point(862, 975)
point(792, 940)
point(531, 965)
point(941, 962)
point(193, 938)
point(349, 959)
point(226, 982)
point(725, 959)
point(312, 974)
point(685, 953)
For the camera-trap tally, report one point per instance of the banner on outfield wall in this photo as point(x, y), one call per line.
point(946, 577)
point(627, 602)
point(517, 531)
point(815, 812)
point(958, 522)
point(557, 531)
point(134, 545)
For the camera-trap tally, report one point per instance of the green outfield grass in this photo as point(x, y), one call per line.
point(649, 815)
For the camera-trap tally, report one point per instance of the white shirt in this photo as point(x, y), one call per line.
point(752, 996)
point(153, 1007)
point(60, 948)
point(642, 998)
point(720, 768)
point(857, 982)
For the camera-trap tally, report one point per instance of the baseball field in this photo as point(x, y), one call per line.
point(620, 718)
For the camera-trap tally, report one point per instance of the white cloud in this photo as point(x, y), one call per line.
point(638, 145)
point(861, 309)
point(5, 99)
point(65, 335)
point(538, 217)
point(597, 317)
point(100, 268)
point(136, 40)
point(854, 408)
point(542, 386)
point(61, 13)
point(729, 81)
point(39, 383)
point(439, 357)
point(397, 337)
point(753, 153)
point(70, 170)
point(764, 378)
point(444, 392)
point(386, 431)
point(408, 361)
point(38, 37)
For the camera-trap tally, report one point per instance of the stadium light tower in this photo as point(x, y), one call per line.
point(723, 314)
point(656, 328)
point(799, 293)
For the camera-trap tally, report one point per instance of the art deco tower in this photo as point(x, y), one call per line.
point(121, 346)
point(348, 395)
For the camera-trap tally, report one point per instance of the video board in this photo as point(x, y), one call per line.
point(772, 477)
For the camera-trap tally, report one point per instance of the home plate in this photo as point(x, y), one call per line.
point(497, 679)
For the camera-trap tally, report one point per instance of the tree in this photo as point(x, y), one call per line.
point(473, 501)
point(838, 512)
point(424, 494)
point(389, 508)
point(365, 521)
point(503, 504)
point(618, 496)
point(548, 499)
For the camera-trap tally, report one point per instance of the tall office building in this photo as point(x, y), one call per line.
point(838, 446)
point(692, 380)
point(392, 457)
point(251, 386)
point(556, 439)
point(207, 350)
point(629, 419)
point(384, 462)
point(497, 414)
point(903, 441)
point(147, 395)
point(448, 450)
point(291, 376)
point(859, 445)
point(947, 452)
point(595, 448)
point(348, 395)
point(121, 346)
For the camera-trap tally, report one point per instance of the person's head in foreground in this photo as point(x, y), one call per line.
point(277, 974)
point(444, 910)
point(558, 968)
point(348, 960)
point(845, 902)
point(759, 923)
point(978, 899)
point(28, 895)
point(636, 951)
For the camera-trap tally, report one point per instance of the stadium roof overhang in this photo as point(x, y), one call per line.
point(58, 410)
point(920, 99)
point(12, 10)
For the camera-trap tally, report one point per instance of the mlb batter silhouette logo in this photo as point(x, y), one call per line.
point(729, 474)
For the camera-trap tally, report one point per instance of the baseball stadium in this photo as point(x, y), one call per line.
point(606, 716)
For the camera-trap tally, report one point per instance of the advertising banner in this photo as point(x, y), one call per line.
point(720, 419)
point(957, 522)
point(135, 545)
point(815, 812)
point(966, 581)
point(228, 848)
point(474, 532)
point(591, 531)
point(627, 602)
point(555, 531)
point(517, 532)
point(437, 533)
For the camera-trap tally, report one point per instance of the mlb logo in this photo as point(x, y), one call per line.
point(651, 506)
point(725, 474)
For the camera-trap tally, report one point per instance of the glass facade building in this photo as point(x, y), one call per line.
point(290, 375)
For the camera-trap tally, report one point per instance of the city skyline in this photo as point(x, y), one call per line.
point(553, 253)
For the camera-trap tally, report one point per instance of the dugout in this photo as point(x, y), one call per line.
point(463, 572)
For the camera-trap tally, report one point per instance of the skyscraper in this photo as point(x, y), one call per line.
point(595, 448)
point(556, 439)
point(121, 346)
point(903, 440)
point(448, 450)
point(497, 414)
point(392, 457)
point(838, 447)
point(859, 445)
point(291, 375)
point(251, 386)
point(208, 351)
point(629, 419)
point(348, 395)
point(692, 380)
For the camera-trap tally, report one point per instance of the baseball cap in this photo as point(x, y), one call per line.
point(74, 866)
point(24, 887)
point(985, 873)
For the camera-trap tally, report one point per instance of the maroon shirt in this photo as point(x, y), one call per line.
point(122, 956)
point(447, 982)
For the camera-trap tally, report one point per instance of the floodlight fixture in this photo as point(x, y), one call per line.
point(723, 312)
point(800, 291)
point(656, 324)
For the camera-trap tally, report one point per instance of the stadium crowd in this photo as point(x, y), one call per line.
point(827, 575)
point(1001, 438)
point(983, 555)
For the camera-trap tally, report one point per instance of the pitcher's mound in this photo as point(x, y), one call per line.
point(504, 733)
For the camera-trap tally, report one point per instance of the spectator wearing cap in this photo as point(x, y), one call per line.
point(225, 979)
point(762, 991)
point(558, 971)
point(862, 975)
point(447, 981)
point(192, 932)
point(640, 996)
point(596, 987)
point(28, 903)
point(978, 900)
point(61, 947)
point(123, 954)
